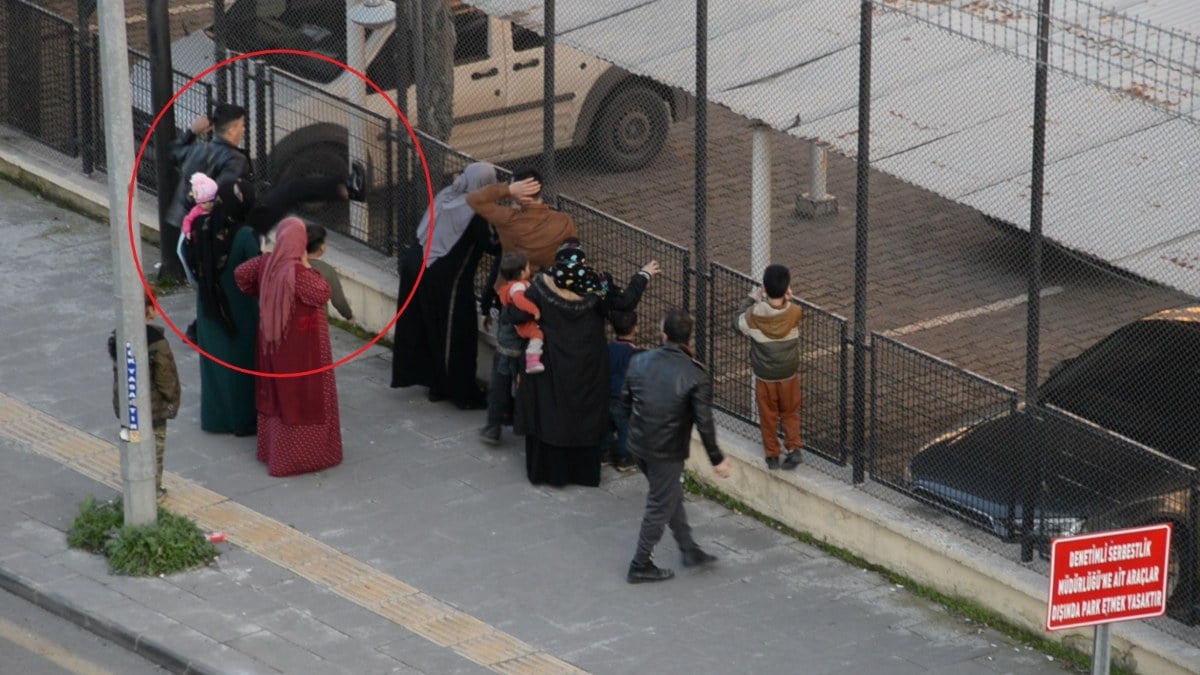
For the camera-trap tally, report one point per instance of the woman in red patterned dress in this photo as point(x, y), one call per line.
point(298, 425)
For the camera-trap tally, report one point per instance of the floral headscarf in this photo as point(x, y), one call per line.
point(571, 271)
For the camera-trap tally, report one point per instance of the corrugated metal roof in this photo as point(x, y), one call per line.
point(952, 94)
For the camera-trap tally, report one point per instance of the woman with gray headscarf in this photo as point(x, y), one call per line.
point(437, 335)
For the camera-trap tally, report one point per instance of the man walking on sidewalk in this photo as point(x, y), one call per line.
point(665, 393)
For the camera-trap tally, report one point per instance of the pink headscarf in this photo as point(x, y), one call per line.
point(277, 288)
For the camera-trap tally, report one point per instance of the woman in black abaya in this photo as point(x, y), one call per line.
point(437, 335)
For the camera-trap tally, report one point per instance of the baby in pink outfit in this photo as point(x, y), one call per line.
point(204, 193)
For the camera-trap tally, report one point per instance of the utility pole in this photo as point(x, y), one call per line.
point(137, 456)
point(158, 27)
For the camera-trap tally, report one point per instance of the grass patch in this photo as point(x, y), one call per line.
point(172, 544)
point(965, 609)
point(95, 524)
point(359, 332)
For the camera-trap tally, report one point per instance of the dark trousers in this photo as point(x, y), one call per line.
point(618, 426)
point(500, 389)
point(664, 506)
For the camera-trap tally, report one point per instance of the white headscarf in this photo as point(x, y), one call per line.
point(451, 212)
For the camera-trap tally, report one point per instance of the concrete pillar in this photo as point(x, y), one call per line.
point(816, 202)
point(760, 201)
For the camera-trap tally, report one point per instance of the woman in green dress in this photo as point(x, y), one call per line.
point(226, 318)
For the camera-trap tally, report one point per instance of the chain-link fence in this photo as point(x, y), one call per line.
point(38, 76)
point(950, 269)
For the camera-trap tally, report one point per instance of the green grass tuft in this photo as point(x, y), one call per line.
point(172, 544)
point(95, 524)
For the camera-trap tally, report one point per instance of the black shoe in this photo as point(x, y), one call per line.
point(626, 464)
point(356, 182)
point(772, 463)
point(190, 332)
point(490, 435)
point(694, 557)
point(248, 431)
point(640, 574)
point(792, 460)
point(435, 396)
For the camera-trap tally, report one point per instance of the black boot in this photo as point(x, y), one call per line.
point(640, 574)
point(694, 557)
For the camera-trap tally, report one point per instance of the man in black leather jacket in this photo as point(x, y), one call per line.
point(664, 395)
point(221, 159)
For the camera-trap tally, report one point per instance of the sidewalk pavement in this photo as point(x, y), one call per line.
point(424, 552)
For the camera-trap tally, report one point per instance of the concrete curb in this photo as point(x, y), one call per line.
point(155, 650)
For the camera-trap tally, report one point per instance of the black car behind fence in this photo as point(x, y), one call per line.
point(1026, 475)
point(946, 437)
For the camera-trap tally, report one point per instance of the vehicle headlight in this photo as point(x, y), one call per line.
point(1061, 527)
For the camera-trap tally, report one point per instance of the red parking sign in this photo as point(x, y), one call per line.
point(1108, 576)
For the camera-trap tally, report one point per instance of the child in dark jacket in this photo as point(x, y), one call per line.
point(773, 324)
point(620, 351)
point(164, 387)
point(510, 345)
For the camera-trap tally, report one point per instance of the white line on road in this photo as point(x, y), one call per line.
point(967, 314)
point(48, 650)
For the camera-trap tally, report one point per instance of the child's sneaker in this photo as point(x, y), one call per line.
point(772, 463)
point(124, 433)
point(533, 363)
point(792, 460)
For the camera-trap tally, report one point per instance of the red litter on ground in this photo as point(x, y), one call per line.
point(216, 537)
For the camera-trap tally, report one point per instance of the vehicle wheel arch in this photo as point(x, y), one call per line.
point(612, 81)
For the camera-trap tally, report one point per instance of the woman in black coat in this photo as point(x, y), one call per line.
point(563, 412)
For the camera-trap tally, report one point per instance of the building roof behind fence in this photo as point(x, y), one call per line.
point(952, 99)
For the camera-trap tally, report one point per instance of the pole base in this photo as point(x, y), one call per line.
point(816, 208)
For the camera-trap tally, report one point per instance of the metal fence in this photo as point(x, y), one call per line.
point(38, 76)
point(622, 249)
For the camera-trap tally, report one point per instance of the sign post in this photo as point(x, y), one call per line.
point(1104, 577)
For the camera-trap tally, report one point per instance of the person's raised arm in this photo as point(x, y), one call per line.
point(484, 201)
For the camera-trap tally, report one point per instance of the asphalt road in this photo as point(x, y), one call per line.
point(36, 642)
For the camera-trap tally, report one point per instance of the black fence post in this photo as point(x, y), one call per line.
point(860, 241)
point(407, 160)
point(87, 139)
point(389, 204)
point(262, 156)
point(158, 28)
point(1034, 305)
point(549, 180)
point(219, 49)
point(701, 225)
point(1191, 573)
